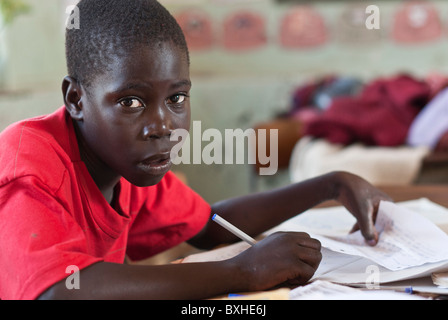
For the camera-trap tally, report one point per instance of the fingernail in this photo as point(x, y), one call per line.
point(371, 242)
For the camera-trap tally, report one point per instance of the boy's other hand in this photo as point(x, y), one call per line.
point(362, 200)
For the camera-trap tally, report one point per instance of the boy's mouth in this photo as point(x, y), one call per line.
point(156, 164)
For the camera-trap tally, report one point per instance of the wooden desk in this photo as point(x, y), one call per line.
point(435, 193)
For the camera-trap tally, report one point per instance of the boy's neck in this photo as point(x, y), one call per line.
point(104, 178)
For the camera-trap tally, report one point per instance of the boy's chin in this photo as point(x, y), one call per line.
point(145, 181)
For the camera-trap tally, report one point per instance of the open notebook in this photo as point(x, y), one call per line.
point(412, 244)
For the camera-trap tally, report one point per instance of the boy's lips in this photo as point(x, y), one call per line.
point(157, 158)
point(156, 164)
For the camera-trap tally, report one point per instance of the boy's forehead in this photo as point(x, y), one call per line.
point(146, 63)
point(154, 54)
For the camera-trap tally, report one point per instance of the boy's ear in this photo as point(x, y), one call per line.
point(72, 93)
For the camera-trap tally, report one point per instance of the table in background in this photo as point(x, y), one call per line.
point(435, 193)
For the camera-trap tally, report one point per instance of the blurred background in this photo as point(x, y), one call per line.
point(251, 63)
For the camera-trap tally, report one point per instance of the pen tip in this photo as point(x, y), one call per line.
point(213, 218)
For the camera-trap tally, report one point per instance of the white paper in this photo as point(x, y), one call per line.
point(324, 290)
point(406, 239)
point(440, 279)
point(353, 269)
point(356, 270)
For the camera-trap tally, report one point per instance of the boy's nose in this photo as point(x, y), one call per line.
point(149, 133)
point(159, 125)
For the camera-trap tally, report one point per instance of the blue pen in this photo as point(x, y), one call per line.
point(409, 290)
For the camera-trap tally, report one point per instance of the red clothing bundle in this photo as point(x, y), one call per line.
point(52, 214)
point(381, 115)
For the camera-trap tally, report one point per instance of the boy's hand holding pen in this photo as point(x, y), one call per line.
point(283, 257)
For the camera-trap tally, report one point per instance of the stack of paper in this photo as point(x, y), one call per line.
point(324, 290)
point(410, 244)
point(440, 279)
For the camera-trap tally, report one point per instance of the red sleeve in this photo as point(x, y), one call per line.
point(170, 213)
point(39, 240)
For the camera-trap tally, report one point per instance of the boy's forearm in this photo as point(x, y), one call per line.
point(259, 212)
point(106, 281)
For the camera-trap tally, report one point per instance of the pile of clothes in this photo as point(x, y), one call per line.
point(382, 130)
point(387, 112)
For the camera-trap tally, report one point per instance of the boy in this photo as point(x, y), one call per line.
point(90, 183)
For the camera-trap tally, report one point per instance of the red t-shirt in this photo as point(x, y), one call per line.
point(52, 214)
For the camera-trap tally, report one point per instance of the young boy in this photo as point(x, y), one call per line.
point(90, 183)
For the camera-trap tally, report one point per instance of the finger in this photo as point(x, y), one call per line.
point(311, 257)
point(385, 197)
point(305, 240)
point(354, 228)
point(303, 247)
point(371, 236)
point(302, 239)
point(373, 241)
point(367, 226)
point(302, 274)
point(310, 243)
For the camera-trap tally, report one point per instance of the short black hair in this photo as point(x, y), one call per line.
point(110, 28)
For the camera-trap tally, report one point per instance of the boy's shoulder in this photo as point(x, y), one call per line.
point(39, 147)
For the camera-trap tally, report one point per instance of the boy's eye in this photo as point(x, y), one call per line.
point(177, 99)
point(131, 103)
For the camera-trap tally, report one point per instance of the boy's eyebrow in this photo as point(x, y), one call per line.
point(132, 86)
point(142, 85)
point(182, 83)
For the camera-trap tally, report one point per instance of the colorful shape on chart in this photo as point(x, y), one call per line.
point(244, 31)
point(197, 27)
point(302, 27)
point(417, 22)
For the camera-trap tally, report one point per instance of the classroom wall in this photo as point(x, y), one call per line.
point(230, 89)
